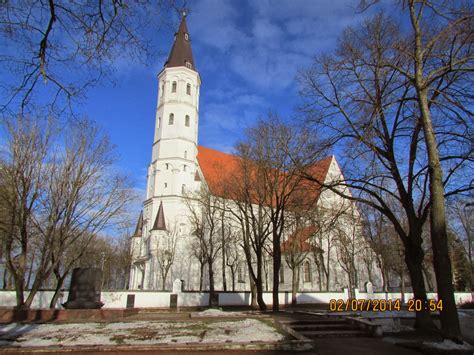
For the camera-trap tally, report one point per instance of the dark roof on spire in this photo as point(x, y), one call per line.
point(181, 52)
point(160, 223)
point(139, 227)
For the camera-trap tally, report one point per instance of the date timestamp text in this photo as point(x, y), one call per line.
point(355, 305)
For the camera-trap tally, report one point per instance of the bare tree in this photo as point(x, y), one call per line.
point(439, 62)
point(323, 240)
point(22, 173)
point(58, 49)
point(67, 195)
point(375, 230)
point(205, 212)
point(232, 255)
point(251, 215)
point(461, 216)
point(166, 251)
point(296, 250)
point(360, 101)
point(274, 148)
point(348, 245)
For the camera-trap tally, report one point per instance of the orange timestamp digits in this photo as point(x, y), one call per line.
point(417, 305)
point(355, 305)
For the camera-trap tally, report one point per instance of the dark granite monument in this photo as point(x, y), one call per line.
point(84, 292)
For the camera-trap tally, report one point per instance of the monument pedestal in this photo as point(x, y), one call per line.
point(84, 292)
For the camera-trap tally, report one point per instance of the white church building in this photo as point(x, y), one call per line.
point(164, 237)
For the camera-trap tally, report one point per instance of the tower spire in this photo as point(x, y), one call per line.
point(160, 219)
point(181, 54)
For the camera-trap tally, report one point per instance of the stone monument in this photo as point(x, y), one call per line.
point(84, 292)
point(369, 288)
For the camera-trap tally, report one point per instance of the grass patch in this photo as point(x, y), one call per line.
point(119, 339)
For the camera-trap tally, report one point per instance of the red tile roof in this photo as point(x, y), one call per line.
point(298, 240)
point(218, 167)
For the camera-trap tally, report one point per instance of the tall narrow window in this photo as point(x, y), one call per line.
point(174, 86)
point(171, 120)
point(282, 275)
point(183, 189)
point(188, 89)
point(186, 121)
point(240, 274)
point(167, 166)
point(184, 167)
point(307, 271)
point(185, 154)
point(162, 90)
point(159, 122)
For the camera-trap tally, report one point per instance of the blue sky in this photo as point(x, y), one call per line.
point(247, 53)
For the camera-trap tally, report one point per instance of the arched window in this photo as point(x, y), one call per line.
point(186, 121)
point(174, 86)
point(188, 89)
point(171, 120)
point(240, 274)
point(306, 272)
point(167, 166)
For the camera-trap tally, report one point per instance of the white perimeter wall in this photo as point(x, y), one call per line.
point(152, 299)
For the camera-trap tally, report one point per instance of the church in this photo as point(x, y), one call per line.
point(163, 246)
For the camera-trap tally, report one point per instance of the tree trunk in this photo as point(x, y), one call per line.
point(57, 290)
point(295, 278)
point(201, 276)
point(414, 259)
point(402, 285)
point(232, 273)
point(30, 269)
point(253, 291)
point(259, 282)
point(211, 280)
point(20, 293)
point(276, 269)
point(439, 237)
point(163, 280)
point(276, 273)
point(261, 303)
point(224, 281)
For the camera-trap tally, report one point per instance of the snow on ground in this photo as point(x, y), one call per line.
point(217, 313)
point(138, 333)
point(448, 345)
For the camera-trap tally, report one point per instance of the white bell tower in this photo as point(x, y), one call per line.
point(173, 162)
point(173, 167)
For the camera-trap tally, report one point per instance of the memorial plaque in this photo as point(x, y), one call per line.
point(173, 301)
point(84, 291)
point(214, 299)
point(177, 286)
point(130, 301)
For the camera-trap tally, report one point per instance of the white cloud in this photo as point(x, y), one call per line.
point(213, 23)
